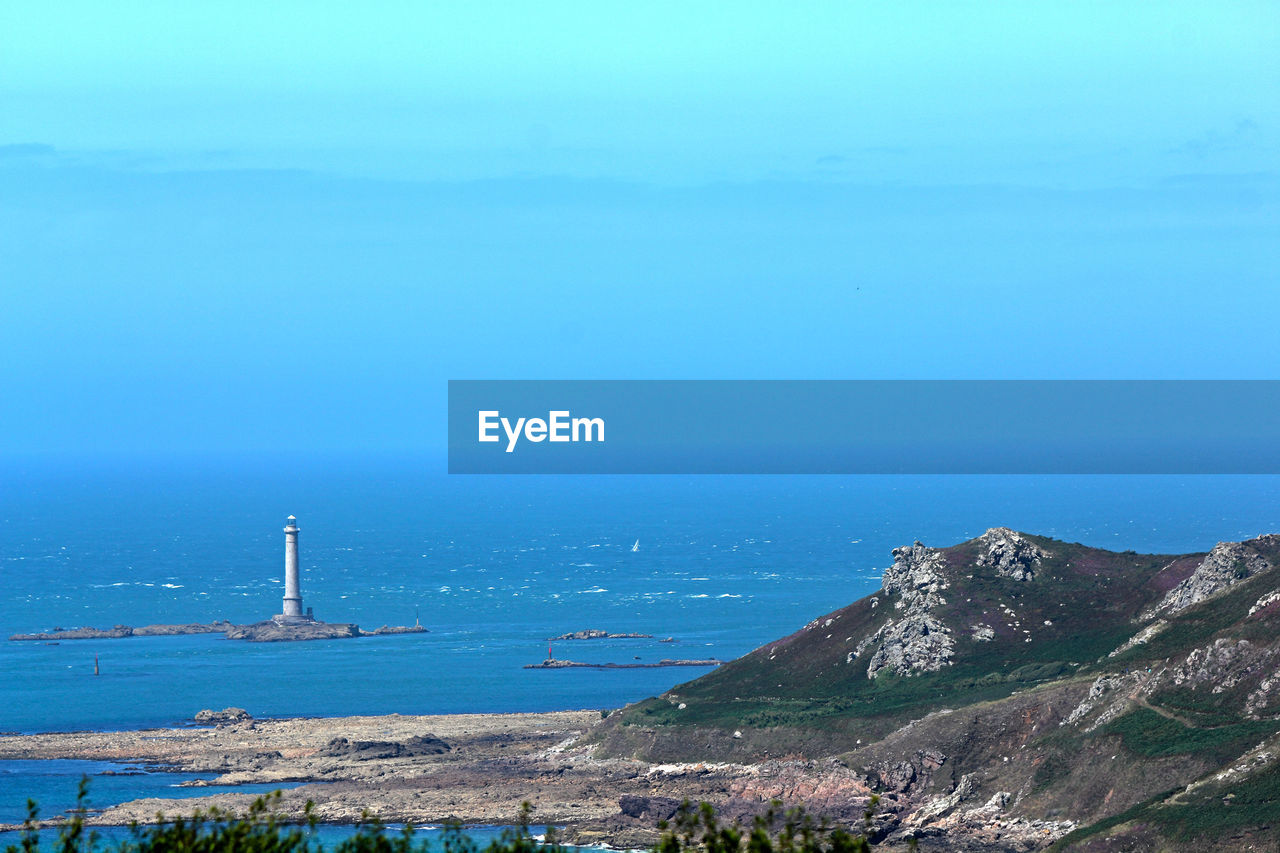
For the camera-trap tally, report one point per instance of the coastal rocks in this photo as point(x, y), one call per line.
point(597, 634)
point(260, 632)
point(1226, 565)
point(986, 827)
point(209, 717)
point(219, 626)
point(1010, 554)
point(828, 788)
point(900, 776)
point(366, 750)
point(916, 641)
point(555, 663)
point(116, 633)
point(651, 809)
point(273, 632)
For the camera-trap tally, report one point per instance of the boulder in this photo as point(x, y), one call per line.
point(209, 717)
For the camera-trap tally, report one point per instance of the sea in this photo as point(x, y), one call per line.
point(492, 566)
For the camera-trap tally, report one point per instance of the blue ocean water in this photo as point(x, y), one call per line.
point(491, 565)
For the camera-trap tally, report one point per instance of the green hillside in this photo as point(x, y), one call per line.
point(1075, 685)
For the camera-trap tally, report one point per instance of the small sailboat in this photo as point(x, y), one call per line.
point(635, 547)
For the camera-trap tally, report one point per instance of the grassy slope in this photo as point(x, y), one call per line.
point(1093, 599)
point(1089, 596)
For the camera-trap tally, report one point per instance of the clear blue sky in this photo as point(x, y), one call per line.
point(226, 226)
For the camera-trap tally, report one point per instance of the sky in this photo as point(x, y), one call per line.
point(226, 226)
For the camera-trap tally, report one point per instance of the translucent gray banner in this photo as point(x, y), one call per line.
point(864, 427)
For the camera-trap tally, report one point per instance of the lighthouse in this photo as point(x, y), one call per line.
point(292, 611)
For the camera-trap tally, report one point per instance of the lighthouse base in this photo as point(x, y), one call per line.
point(293, 619)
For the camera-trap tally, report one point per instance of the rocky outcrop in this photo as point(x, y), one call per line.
point(1226, 565)
point(1106, 690)
point(275, 632)
point(365, 750)
point(1010, 554)
point(209, 717)
point(914, 641)
point(1222, 665)
point(901, 776)
point(218, 626)
point(1141, 638)
point(917, 577)
point(982, 633)
point(651, 809)
point(1265, 602)
point(597, 634)
point(116, 633)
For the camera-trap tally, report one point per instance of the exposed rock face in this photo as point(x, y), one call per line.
point(829, 788)
point(1257, 701)
point(915, 641)
point(653, 809)
point(1010, 554)
point(364, 750)
point(1141, 638)
point(1105, 689)
point(1265, 601)
point(1222, 665)
point(916, 577)
point(901, 775)
point(209, 717)
point(1226, 565)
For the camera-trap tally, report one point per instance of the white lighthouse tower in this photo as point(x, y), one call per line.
point(292, 611)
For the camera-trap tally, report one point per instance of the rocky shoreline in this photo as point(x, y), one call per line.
point(479, 768)
point(257, 632)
